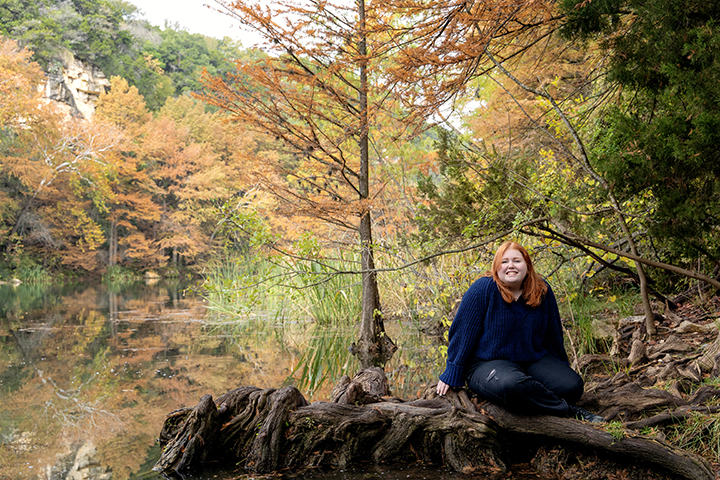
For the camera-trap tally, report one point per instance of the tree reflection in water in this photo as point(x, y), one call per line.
point(88, 372)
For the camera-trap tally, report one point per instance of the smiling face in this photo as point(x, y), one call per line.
point(512, 269)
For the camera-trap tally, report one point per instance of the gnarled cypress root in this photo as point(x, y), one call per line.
point(270, 430)
point(194, 441)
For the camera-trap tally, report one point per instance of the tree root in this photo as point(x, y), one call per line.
point(270, 430)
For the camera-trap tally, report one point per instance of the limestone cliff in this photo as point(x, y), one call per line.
point(74, 85)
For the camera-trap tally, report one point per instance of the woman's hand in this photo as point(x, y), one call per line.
point(442, 388)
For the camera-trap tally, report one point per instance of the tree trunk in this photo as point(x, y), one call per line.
point(373, 347)
point(21, 215)
point(647, 308)
point(113, 244)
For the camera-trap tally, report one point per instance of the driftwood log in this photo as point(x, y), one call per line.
point(270, 430)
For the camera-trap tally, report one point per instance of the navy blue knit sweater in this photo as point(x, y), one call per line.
point(487, 327)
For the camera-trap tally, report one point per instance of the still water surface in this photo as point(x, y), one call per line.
point(88, 373)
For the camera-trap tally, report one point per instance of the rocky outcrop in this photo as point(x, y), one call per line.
point(75, 86)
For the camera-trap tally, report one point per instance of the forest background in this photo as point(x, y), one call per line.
point(367, 150)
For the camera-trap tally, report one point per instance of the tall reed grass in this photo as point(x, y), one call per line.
point(329, 297)
point(581, 308)
point(118, 275)
point(699, 433)
point(279, 292)
point(31, 274)
point(299, 290)
point(325, 357)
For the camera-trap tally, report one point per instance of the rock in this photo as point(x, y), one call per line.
point(86, 466)
point(602, 330)
point(79, 463)
point(74, 85)
point(17, 441)
point(689, 327)
point(632, 320)
point(672, 344)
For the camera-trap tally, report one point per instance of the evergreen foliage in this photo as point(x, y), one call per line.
point(471, 197)
point(661, 137)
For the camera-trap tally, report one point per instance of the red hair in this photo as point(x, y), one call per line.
point(534, 287)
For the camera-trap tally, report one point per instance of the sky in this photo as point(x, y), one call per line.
point(195, 17)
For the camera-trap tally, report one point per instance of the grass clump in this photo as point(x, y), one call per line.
point(588, 311)
point(117, 274)
point(33, 274)
point(699, 434)
point(615, 429)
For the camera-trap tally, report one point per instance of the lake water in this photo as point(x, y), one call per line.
point(89, 372)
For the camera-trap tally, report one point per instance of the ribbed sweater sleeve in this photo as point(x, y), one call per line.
point(465, 331)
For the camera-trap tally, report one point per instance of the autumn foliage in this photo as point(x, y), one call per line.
point(127, 187)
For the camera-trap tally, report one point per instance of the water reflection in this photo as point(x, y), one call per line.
point(88, 372)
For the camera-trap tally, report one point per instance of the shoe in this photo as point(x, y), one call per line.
point(582, 414)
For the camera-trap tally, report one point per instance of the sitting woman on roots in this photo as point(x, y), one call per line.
point(506, 341)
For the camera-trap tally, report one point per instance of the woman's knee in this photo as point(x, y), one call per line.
point(568, 385)
point(559, 378)
point(572, 389)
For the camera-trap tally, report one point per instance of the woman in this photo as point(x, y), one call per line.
point(506, 341)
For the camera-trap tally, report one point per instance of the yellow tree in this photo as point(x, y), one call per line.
point(19, 82)
point(220, 159)
point(175, 166)
point(450, 45)
point(187, 158)
point(317, 96)
point(61, 169)
point(132, 212)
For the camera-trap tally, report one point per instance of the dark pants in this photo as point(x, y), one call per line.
point(546, 386)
